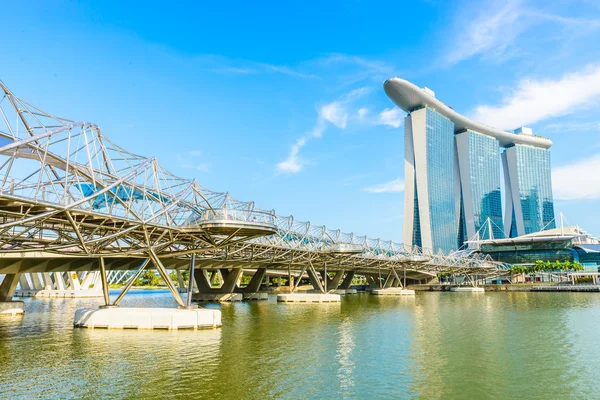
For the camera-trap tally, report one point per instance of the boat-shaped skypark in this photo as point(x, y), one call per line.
point(409, 97)
point(452, 175)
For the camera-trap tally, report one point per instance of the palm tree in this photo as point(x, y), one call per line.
point(539, 266)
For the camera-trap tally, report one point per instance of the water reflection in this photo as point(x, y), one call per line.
point(344, 356)
point(432, 345)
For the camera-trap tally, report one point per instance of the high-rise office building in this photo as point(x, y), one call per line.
point(453, 180)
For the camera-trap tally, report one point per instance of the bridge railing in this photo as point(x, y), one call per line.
point(255, 216)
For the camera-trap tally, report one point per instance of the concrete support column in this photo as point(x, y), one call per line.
point(332, 283)
point(48, 284)
point(389, 281)
point(231, 280)
point(254, 285)
point(74, 281)
point(88, 280)
point(373, 281)
point(347, 282)
point(224, 272)
point(36, 282)
point(202, 281)
point(180, 279)
point(314, 279)
point(9, 286)
point(24, 283)
point(59, 281)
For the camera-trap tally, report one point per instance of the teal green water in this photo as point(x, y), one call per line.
point(432, 346)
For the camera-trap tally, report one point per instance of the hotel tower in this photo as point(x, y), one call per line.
point(453, 168)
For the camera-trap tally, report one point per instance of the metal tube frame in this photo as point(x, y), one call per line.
point(131, 282)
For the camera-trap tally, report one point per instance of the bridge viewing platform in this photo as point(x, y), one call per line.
point(71, 200)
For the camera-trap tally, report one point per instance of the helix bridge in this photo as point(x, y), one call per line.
point(71, 199)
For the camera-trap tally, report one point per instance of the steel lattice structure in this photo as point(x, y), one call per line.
point(66, 189)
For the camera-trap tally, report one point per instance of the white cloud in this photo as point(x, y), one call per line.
point(575, 127)
point(534, 101)
point(293, 163)
point(391, 117)
point(232, 67)
point(395, 186)
point(496, 29)
point(577, 181)
point(362, 113)
point(489, 31)
point(335, 113)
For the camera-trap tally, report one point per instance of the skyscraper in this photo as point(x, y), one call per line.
point(479, 158)
point(431, 181)
point(453, 180)
point(529, 205)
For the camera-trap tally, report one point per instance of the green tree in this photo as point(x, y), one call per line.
point(150, 278)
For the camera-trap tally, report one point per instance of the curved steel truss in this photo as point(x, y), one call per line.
point(67, 189)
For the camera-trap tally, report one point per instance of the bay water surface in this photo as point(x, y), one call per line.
point(432, 346)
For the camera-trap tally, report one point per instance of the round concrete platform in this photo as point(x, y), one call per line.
point(344, 291)
point(467, 289)
point(11, 308)
point(308, 298)
point(147, 318)
point(393, 292)
point(256, 296)
point(217, 297)
point(72, 294)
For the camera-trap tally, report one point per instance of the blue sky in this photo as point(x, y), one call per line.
point(282, 102)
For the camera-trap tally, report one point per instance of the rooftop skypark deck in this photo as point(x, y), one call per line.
point(409, 96)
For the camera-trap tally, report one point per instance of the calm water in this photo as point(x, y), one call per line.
point(435, 345)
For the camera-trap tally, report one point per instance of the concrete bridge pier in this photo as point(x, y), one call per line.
point(373, 281)
point(59, 284)
point(392, 286)
point(230, 289)
point(111, 316)
point(208, 293)
point(335, 284)
point(344, 286)
point(7, 291)
point(320, 294)
point(332, 283)
point(252, 290)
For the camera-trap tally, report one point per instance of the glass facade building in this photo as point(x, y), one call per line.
point(452, 179)
point(479, 160)
point(440, 180)
point(529, 174)
point(434, 219)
